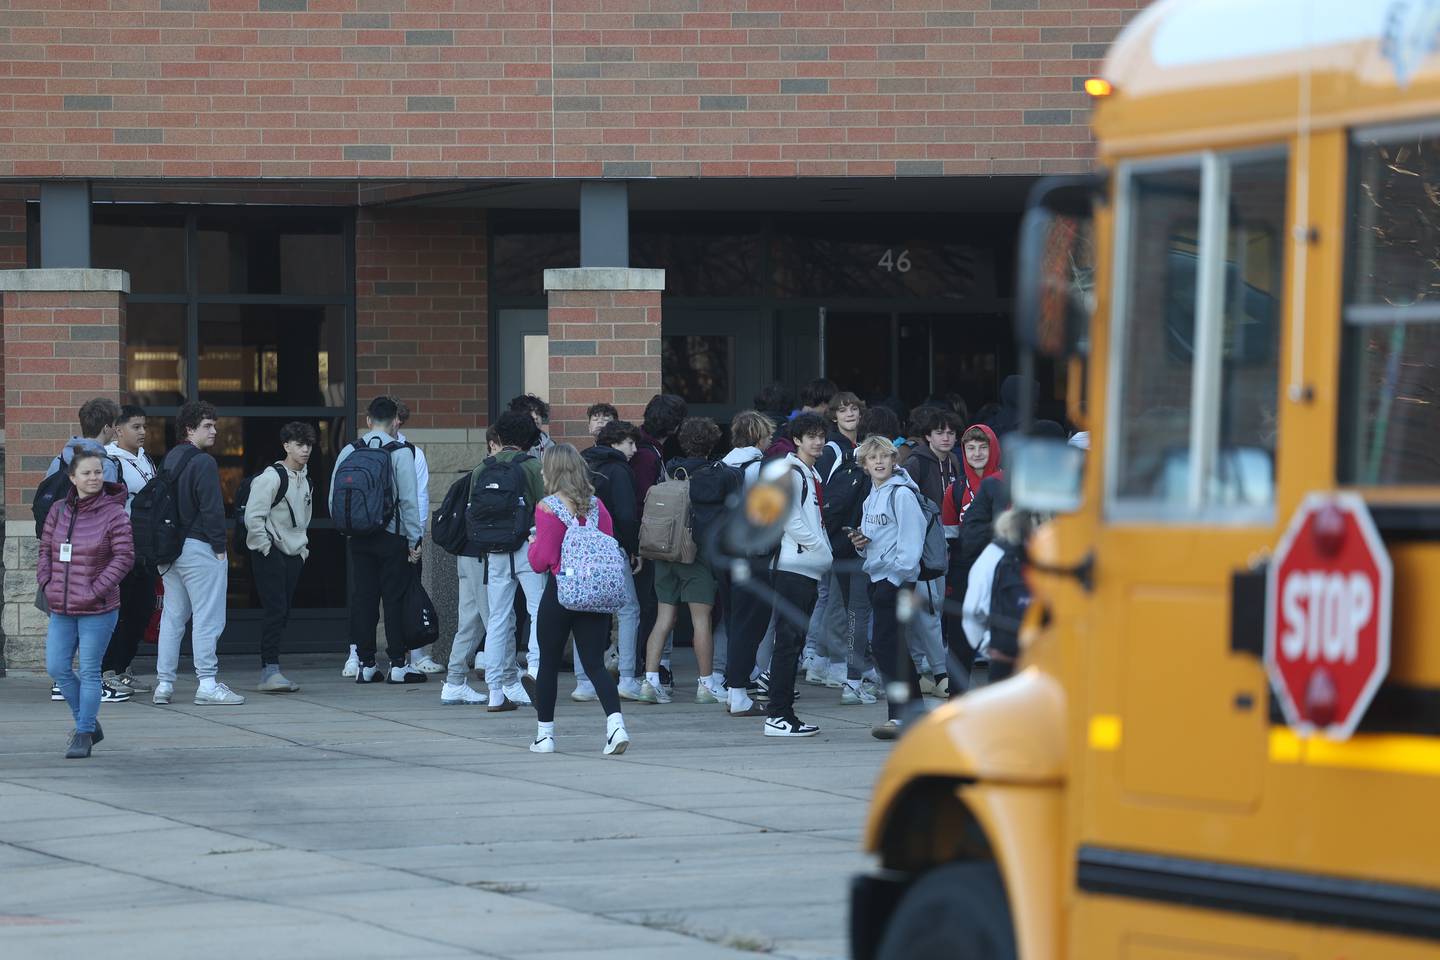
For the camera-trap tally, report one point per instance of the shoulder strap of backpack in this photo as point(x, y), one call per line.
point(281, 490)
point(804, 483)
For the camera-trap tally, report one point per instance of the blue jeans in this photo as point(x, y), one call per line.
point(90, 635)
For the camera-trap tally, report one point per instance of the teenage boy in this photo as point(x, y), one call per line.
point(804, 559)
point(600, 414)
point(195, 583)
point(933, 466)
point(137, 590)
point(504, 572)
point(473, 610)
point(663, 416)
point(615, 444)
point(539, 412)
point(97, 428)
point(379, 560)
point(822, 640)
point(279, 543)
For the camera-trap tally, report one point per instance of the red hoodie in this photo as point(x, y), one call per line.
point(952, 511)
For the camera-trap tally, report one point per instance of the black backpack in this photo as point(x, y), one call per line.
point(53, 488)
point(363, 499)
point(242, 498)
point(447, 526)
point(499, 518)
point(714, 488)
point(845, 494)
point(420, 622)
point(1009, 599)
point(155, 514)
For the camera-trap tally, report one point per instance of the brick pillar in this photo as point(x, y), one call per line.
point(604, 344)
point(64, 334)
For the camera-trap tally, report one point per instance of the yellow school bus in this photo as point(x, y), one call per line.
point(1258, 322)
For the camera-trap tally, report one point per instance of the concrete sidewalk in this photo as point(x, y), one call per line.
point(356, 822)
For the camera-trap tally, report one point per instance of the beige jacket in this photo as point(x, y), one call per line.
point(265, 526)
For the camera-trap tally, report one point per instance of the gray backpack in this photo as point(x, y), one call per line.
point(934, 556)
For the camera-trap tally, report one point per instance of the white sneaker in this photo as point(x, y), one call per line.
point(816, 671)
point(649, 693)
point(543, 745)
point(217, 695)
point(163, 692)
point(480, 661)
point(629, 688)
point(426, 664)
point(875, 688)
point(616, 741)
point(789, 727)
point(927, 684)
point(839, 673)
point(352, 665)
point(405, 674)
point(454, 694)
point(516, 693)
point(855, 694)
point(277, 683)
point(584, 693)
point(612, 661)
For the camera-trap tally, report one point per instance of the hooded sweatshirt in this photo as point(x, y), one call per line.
point(895, 525)
point(975, 611)
point(959, 495)
point(619, 496)
point(932, 472)
point(804, 549)
point(67, 453)
point(748, 459)
point(267, 526)
point(202, 507)
point(102, 551)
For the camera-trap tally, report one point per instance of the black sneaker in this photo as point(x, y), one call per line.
point(55, 693)
point(405, 674)
point(370, 674)
point(761, 687)
point(113, 693)
point(667, 679)
point(789, 727)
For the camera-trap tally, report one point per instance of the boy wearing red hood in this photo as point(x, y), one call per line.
point(980, 455)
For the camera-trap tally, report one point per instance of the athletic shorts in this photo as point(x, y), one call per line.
point(677, 583)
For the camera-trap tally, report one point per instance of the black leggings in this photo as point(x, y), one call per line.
point(891, 652)
point(592, 636)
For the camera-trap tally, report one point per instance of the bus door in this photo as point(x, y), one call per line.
point(1193, 397)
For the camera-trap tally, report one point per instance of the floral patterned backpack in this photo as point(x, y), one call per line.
point(591, 576)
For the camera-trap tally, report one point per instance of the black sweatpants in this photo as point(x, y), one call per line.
point(381, 564)
point(137, 606)
point(802, 593)
point(275, 576)
point(649, 610)
point(592, 636)
point(747, 614)
point(887, 645)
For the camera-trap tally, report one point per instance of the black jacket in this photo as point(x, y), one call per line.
point(827, 462)
point(202, 508)
point(991, 500)
point(619, 494)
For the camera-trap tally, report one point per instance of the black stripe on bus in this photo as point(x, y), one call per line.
point(1260, 891)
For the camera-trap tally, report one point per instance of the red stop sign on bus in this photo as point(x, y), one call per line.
point(1327, 615)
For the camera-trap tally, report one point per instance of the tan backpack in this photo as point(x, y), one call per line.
point(665, 532)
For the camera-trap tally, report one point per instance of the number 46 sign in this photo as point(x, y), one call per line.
point(1327, 615)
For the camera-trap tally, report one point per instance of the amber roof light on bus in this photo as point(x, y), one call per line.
point(1098, 87)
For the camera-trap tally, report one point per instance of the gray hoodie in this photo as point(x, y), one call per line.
point(895, 525)
point(407, 521)
point(110, 469)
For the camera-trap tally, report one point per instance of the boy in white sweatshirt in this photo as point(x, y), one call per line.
point(804, 559)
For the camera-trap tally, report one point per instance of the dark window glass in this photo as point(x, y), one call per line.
point(266, 355)
point(271, 254)
point(857, 353)
point(1390, 420)
point(148, 246)
point(322, 579)
point(521, 252)
point(698, 367)
point(246, 445)
point(700, 260)
point(155, 353)
point(816, 257)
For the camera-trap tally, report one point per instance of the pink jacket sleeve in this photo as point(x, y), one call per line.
point(43, 568)
point(544, 553)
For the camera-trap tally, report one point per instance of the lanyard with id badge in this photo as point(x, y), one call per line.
point(66, 550)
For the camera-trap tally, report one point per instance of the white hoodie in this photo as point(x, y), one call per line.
point(804, 549)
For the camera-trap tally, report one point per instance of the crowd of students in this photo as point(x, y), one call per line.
point(603, 547)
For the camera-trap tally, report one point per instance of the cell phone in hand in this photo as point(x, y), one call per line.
point(849, 531)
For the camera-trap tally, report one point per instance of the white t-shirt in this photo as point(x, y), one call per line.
point(136, 470)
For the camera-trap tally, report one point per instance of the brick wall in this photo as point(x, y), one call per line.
point(604, 348)
point(337, 88)
point(422, 320)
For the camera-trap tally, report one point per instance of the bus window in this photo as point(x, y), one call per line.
point(1390, 420)
point(1166, 367)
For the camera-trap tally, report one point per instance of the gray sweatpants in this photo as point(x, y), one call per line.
point(195, 587)
point(926, 639)
point(847, 625)
point(474, 614)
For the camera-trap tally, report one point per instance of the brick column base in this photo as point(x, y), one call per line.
point(604, 344)
point(64, 336)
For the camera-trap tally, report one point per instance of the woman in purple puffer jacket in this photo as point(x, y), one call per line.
point(85, 552)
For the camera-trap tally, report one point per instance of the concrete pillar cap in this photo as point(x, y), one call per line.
point(65, 280)
point(604, 278)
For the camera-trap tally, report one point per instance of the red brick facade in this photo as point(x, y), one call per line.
point(422, 314)
point(436, 88)
point(61, 349)
point(604, 348)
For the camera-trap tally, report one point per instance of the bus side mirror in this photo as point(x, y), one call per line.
point(1055, 283)
point(1045, 473)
